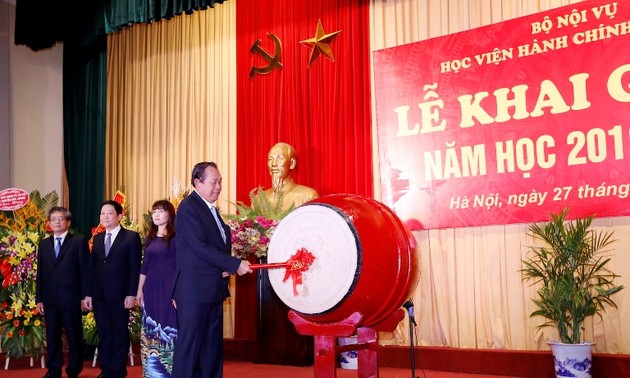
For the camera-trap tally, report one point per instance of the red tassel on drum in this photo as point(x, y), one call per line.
point(298, 263)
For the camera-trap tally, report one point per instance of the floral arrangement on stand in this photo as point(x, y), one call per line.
point(21, 325)
point(179, 193)
point(90, 332)
point(252, 226)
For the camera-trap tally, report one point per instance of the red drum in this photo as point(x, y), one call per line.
point(366, 259)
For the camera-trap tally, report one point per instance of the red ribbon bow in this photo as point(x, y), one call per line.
point(298, 263)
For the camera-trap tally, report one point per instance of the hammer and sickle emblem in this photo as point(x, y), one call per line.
point(274, 61)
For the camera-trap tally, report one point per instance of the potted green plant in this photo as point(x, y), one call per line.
point(575, 283)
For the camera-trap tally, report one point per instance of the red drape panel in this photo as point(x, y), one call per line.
point(323, 110)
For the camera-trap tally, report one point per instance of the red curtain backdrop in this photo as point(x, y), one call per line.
point(323, 110)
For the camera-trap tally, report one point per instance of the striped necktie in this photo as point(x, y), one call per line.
point(108, 243)
point(216, 218)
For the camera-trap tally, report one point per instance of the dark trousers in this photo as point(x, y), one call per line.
point(199, 344)
point(112, 319)
point(58, 319)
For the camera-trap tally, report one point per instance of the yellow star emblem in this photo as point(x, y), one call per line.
point(320, 44)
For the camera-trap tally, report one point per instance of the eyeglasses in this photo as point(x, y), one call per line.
point(57, 219)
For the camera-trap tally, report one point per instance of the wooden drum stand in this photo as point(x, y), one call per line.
point(325, 341)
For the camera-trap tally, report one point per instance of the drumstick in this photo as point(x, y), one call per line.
point(270, 265)
point(295, 266)
point(298, 262)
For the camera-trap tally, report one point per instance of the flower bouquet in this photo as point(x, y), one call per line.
point(90, 332)
point(252, 226)
point(21, 325)
point(251, 236)
point(135, 324)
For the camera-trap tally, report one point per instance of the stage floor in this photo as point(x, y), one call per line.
point(238, 369)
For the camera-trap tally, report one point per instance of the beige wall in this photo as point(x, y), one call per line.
point(4, 95)
point(31, 123)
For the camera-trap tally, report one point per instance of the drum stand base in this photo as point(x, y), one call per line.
point(326, 348)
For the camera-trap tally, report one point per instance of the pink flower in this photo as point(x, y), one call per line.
point(251, 236)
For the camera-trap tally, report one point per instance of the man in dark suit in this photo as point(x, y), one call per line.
point(115, 270)
point(203, 265)
point(60, 287)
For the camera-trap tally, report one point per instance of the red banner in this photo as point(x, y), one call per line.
point(509, 122)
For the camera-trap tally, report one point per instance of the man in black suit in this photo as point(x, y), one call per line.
point(203, 265)
point(115, 270)
point(60, 287)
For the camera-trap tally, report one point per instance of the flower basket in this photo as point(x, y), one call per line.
point(21, 325)
point(252, 226)
point(90, 332)
point(251, 236)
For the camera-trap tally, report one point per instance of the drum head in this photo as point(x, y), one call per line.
point(329, 235)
